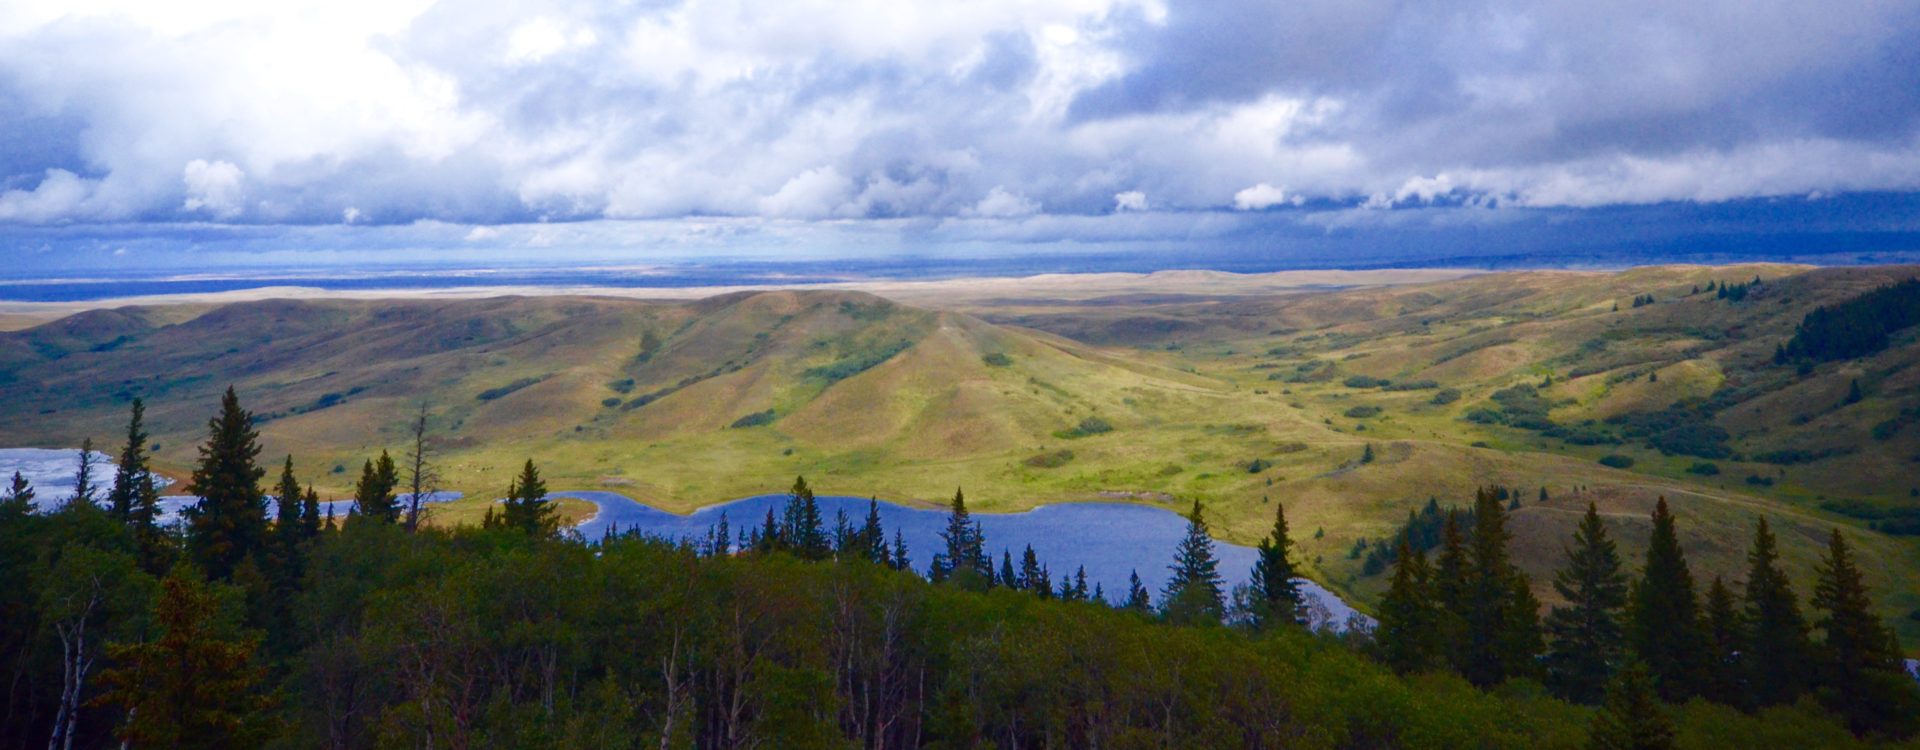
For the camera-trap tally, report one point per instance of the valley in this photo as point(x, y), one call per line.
point(1352, 400)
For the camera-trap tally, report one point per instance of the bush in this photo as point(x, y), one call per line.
point(755, 419)
point(1087, 427)
point(1704, 468)
point(1258, 465)
point(1413, 385)
point(1363, 381)
point(1050, 459)
point(493, 393)
point(1759, 481)
point(610, 402)
point(1617, 461)
point(1363, 411)
point(1446, 396)
point(997, 359)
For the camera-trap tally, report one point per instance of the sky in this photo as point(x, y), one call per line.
point(138, 136)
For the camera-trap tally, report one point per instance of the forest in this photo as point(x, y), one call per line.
point(259, 622)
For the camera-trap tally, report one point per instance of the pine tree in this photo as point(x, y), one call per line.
point(1408, 635)
point(373, 495)
point(1632, 718)
point(1862, 676)
point(19, 498)
point(1008, 578)
point(310, 515)
point(230, 521)
point(1501, 618)
point(288, 532)
point(1853, 392)
point(1194, 594)
point(965, 556)
point(1777, 652)
point(1450, 591)
point(1664, 614)
point(527, 508)
point(1586, 635)
point(1366, 456)
point(83, 485)
point(873, 539)
point(801, 527)
point(900, 559)
point(132, 467)
point(1277, 596)
point(1726, 635)
point(1138, 599)
point(191, 687)
point(1080, 584)
point(1033, 577)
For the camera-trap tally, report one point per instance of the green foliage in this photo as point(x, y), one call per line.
point(374, 495)
point(526, 508)
point(1277, 598)
point(1664, 615)
point(1616, 461)
point(1586, 637)
point(1363, 381)
point(858, 362)
point(1861, 672)
point(1778, 654)
point(1194, 593)
point(229, 523)
point(193, 686)
point(756, 419)
point(491, 394)
point(1633, 718)
point(1704, 468)
point(1087, 427)
point(1500, 615)
point(1050, 459)
point(1363, 411)
point(996, 359)
point(1446, 396)
point(1857, 327)
point(1408, 636)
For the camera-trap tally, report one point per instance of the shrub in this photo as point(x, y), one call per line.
point(1704, 468)
point(1088, 426)
point(997, 359)
point(494, 393)
point(1364, 381)
point(755, 419)
point(610, 402)
point(1258, 465)
point(1446, 396)
point(1050, 459)
point(1617, 461)
point(1363, 411)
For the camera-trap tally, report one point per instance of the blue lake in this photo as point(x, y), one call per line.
point(1110, 539)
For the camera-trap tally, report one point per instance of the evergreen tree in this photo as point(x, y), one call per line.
point(527, 507)
point(191, 686)
point(767, 539)
point(374, 497)
point(873, 539)
point(965, 555)
point(1853, 392)
point(1194, 594)
point(288, 531)
point(19, 498)
point(1366, 456)
point(1033, 577)
point(1408, 635)
point(1777, 652)
point(1726, 635)
point(1501, 617)
point(83, 485)
point(1664, 614)
point(1277, 596)
point(1633, 718)
point(720, 538)
point(1080, 584)
point(1450, 590)
point(125, 492)
point(1138, 599)
point(801, 528)
point(900, 559)
point(310, 515)
point(1862, 676)
point(1008, 578)
point(230, 521)
point(1586, 635)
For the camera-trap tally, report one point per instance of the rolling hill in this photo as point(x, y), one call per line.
point(1240, 400)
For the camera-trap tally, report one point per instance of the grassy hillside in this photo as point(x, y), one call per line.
point(1238, 401)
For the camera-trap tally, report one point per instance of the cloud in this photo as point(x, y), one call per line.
point(1263, 196)
point(479, 112)
point(1001, 203)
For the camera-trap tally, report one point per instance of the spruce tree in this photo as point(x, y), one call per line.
point(1778, 652)
point(287, 564)
point(900, 559)
point(1725, 636)
point(1008, 578)
point(310, 515)
point(1586, 636)
point(965, 555)
point(1194, 594)
point(83, 484)
point(527, 508)
point(1633, 718)
point(1664, 615)
point(191, 686)
point(801, 526)
point(374, 497)
point(230, 521)
point(1408, 635)
point(1080, 584)
point(1277, 596)
point(1033, 577)
point(1501, 618)
point(19, 497)
point(1450, 591)
point(1861, 673)
point(1138, 599)
point(125, 492)
point(873, 539)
